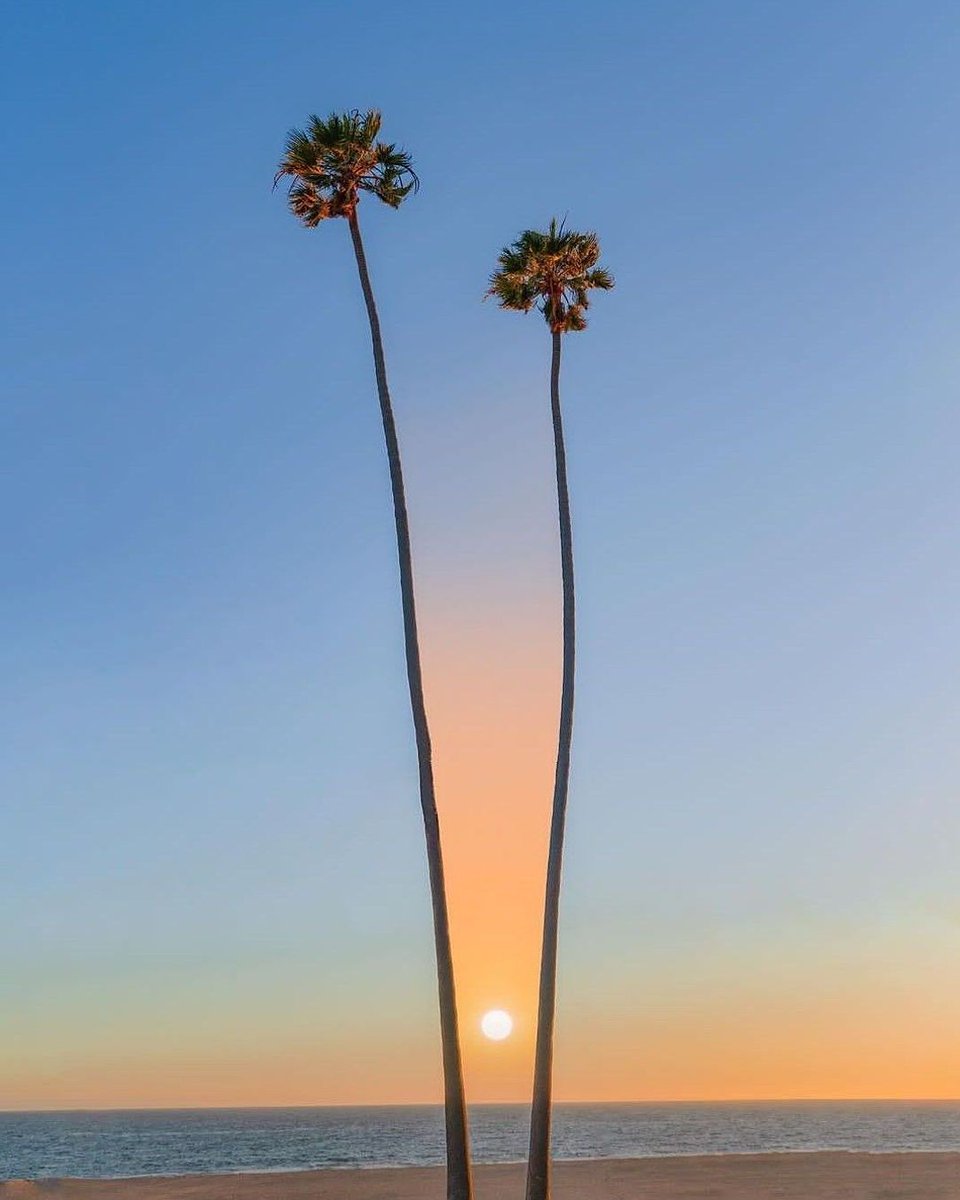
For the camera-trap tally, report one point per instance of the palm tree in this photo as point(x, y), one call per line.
point(554, 272)
point(329, 164)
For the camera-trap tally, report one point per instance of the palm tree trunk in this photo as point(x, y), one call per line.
point(459, 1186)
point(538, 1165)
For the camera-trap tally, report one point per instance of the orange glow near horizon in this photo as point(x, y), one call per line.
point(743, 1024)
point(760, 1017)
point(754, 1021)
point(492, 691)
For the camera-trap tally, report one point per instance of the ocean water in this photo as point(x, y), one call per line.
point(111, 1144)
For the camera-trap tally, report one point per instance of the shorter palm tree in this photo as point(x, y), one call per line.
point(554, 272)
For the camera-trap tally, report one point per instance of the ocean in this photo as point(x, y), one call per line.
point(173, 1142)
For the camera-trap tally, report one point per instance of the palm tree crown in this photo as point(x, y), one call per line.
point(332, 161)
point(554, 271)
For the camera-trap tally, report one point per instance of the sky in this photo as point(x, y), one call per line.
point(212, 872)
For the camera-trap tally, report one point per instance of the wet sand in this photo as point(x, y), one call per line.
point(827, 1176)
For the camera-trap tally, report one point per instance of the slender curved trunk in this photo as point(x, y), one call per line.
point(459, 1186)
point(538, 1164)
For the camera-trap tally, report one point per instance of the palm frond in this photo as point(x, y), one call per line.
point(308, 204)
point(600, 278)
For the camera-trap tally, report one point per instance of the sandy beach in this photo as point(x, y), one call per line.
point(826, 1176)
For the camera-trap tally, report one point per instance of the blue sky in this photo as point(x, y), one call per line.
point(207, 784)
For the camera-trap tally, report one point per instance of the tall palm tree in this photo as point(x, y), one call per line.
point(554, 272)
point(330, 164)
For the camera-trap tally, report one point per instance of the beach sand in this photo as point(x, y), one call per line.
point(815, 1176)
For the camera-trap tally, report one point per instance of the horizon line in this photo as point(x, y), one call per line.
point(438, 1104)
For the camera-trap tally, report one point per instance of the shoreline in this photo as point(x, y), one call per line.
point(785, 1174)
point(47, 1180)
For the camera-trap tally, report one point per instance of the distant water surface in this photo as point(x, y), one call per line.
point(112, 1144)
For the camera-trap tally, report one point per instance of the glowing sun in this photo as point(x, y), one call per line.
point(496, 1024)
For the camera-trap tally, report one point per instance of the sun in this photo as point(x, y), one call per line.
point(496, 1024)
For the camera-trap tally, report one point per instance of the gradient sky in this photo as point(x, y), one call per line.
point(212, 876)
